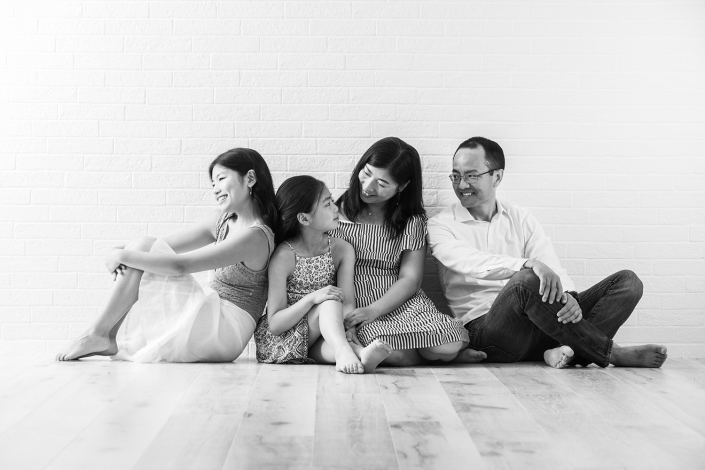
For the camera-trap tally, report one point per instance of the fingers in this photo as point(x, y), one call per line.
point(573, 314)
point(562, 312)
point(542, 287)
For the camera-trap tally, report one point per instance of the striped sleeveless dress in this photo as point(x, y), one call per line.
point(415, 324)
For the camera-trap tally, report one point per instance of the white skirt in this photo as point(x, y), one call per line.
point(178, 320)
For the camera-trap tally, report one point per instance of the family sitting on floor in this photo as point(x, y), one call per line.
point(338, 282)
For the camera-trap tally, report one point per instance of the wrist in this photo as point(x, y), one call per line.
point(529, 264)
point(573, 294)
point(374, 312)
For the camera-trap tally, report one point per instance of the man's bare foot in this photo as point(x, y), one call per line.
point(373, 354)
point(88, 345)
point(558, 357)
point(645, 355)
point(347, 362)
point(468, 356)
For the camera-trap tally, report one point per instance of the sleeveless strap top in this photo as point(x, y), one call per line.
point(239, 284)
point(310, 274)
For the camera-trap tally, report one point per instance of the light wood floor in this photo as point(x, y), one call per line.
point(97, 414)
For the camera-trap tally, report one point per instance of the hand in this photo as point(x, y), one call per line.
point(119, 271)
point(113, 264)
point(571, 311)
point(550, 288)
point(359, 317)
point(351, 336)
point(328, 293)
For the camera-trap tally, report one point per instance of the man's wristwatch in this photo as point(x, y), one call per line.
point(573, 294)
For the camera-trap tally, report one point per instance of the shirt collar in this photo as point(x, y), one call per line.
point(462, 215)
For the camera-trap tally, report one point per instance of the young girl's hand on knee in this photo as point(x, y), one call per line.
point(328, 293)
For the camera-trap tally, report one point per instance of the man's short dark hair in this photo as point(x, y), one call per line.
point(494, 155)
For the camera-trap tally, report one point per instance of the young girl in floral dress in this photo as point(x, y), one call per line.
point(311, 286)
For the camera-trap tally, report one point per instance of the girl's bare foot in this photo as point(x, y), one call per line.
point(347, 362)
point(468, 356)
point(558, 357)
point(89, 345)
point(645, 355)
point(373, 354)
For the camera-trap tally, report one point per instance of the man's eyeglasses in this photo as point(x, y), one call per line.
point(468, 178)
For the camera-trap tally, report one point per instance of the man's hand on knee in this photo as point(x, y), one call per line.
point(550, 288)
point(571, 311)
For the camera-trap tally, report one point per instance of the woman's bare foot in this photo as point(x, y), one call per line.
point(347, 362)
point(373, 354)
point(558, 357)
point(645, 355)
point(88, 345)
point(468, 356)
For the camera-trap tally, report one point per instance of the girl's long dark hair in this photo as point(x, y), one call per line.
point(402, 162)
point(242, 160)
point(296, 195)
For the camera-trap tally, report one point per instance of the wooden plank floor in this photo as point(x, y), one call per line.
point(112, 415)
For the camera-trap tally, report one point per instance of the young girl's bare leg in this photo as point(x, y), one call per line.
point(99, 338)
point(327, 317)
point(370, 356)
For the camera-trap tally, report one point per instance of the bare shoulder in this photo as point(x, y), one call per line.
point(283, 258)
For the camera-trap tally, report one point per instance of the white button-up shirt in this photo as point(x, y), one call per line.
point(477, 258)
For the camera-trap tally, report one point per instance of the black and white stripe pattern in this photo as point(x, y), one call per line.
point(416, 323)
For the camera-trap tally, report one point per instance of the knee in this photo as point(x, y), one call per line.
point(329, 307)
point(141, 244)
point(631, 283)
point(325, 308)
point(526, 278)
point(447, 348)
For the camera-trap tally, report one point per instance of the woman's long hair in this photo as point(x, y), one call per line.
point(402, 162)
point(242, 160)
point(296, 195)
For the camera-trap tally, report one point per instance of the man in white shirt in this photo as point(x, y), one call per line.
point(502, 278)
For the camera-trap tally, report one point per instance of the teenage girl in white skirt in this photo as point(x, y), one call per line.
point(166, 314)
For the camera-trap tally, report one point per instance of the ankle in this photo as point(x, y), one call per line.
point(95, 331)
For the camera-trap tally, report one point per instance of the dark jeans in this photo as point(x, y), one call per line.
point(520, 327)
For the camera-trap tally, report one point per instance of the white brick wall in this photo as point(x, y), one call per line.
point(110, 112)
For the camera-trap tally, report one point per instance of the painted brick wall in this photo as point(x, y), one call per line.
point(111, 111)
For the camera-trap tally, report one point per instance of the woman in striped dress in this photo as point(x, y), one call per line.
point(386, 224)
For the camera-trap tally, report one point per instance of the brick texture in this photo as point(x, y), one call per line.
point(110, 112)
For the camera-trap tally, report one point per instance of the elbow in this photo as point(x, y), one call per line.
point(274, 330)
point(178, 268)
point(414, 283)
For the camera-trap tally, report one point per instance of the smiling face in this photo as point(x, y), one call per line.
point(481, 193)
point(230, 189)
point(376, 185)
point(324, 215)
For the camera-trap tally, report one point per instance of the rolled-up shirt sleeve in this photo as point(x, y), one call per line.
point(459, 256)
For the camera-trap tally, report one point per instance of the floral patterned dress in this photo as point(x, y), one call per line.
point(291, 347)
